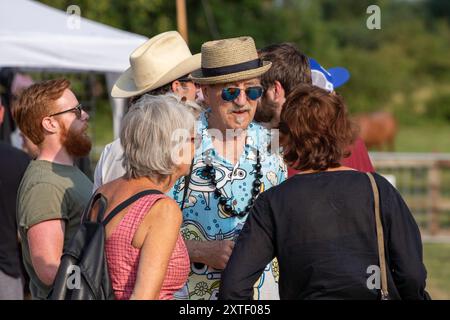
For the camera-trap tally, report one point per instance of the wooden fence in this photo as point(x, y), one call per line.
point(424, 182)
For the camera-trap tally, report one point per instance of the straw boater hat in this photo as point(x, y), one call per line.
point(229, 60)
point(159, 61)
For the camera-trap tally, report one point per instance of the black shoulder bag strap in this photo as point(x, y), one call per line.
point(127, 202)
point(187, 180)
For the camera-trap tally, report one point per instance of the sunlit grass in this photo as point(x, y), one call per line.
point(426, 137)
point(437, 262)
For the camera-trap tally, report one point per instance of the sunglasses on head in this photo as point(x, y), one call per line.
point(77, 110)
point(253, 93)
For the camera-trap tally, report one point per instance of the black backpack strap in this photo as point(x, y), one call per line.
point(87, 210)
point(102, 209)
point(127, 202)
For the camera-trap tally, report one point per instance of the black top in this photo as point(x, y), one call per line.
point(321, 227)
point(13, 163)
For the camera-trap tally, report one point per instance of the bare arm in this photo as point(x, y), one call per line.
point(157, 249)
point(212, 253)
point(46, 242)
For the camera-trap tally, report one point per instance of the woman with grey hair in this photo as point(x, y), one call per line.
point(147, 257)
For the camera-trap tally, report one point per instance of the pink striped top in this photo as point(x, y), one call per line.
point(123, 258)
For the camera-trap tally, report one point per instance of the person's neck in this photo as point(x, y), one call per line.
point(60, 157)
point(145, 183)
point(214, 124)
point(230, 143)
point(227, 134)
point(275, 121)
point(272, 124)
point(340, 168)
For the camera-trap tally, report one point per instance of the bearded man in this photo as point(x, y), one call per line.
point(290, 67)
point(53, 192)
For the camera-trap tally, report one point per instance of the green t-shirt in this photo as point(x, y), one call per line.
point(50, 191)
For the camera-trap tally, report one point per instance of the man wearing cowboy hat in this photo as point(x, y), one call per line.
point(161, 65)
point(232, 165)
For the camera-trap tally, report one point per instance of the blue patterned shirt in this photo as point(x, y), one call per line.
point(203, 217)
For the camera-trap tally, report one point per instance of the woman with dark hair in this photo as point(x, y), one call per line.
point(320, 223)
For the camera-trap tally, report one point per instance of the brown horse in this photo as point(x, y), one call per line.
point(377, 129)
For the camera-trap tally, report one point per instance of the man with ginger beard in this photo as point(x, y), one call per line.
point(53, 192)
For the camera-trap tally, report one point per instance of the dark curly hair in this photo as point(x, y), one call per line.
point(315, 129)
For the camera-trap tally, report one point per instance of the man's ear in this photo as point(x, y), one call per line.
point(279, 93)
point(205, 91)
point(175, 86)
point(50, 125)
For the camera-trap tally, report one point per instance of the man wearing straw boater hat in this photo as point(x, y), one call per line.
point(231, 166)
point(159, 66)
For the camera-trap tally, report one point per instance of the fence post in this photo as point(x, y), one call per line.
point(434, 186)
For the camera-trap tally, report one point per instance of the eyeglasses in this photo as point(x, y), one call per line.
point(77, 110)
point(253, 93)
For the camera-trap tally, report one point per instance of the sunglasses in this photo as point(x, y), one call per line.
point(77, 110)
point(253, 93)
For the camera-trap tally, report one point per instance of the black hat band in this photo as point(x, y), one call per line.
point(220, 71)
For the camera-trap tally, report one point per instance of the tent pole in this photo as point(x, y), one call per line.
point(182, 19)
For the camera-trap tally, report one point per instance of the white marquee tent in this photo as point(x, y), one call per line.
point(36, 36)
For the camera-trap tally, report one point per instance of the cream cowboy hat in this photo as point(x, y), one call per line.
point(159, 61)
point(229, 60)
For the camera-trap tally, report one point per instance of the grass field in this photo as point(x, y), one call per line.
point(431, 137)
point(423, 137)
point(437, 262)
